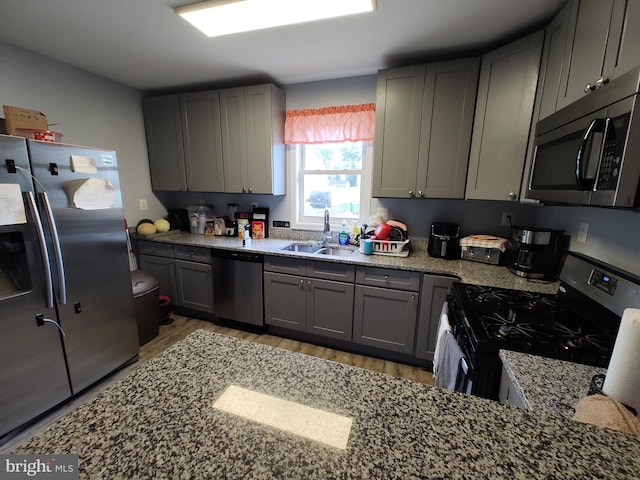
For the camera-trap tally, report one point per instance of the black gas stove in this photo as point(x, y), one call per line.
point(579, 324)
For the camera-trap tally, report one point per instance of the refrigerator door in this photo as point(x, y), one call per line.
point(79, 193)
point(33, 377)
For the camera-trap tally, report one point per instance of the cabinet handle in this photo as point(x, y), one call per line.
point(413, 298)
point(420, 193)
point(250, 189)
point(386, 278)
point(411, 194)
point(601, 82)
point(301, 282)
point(512, 196)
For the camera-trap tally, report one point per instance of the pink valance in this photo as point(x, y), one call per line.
point(348, 123)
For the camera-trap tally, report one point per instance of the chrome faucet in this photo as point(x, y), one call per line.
point(326, 231)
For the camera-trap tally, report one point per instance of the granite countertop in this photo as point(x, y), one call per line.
point(547, 385)
point(159, 422)
point(419, 260)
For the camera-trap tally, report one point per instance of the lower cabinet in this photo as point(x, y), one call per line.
point(386, 309)
point(434, 293)
point(305, 300)
point(184, 273)
point(385, 318)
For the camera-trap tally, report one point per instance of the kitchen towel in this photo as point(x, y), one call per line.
point(443, 326)
point(622, 381)
point(450, 356)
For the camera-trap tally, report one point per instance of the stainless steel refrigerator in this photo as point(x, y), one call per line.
point(66, 304)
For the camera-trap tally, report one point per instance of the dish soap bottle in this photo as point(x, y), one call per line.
point(343, 237)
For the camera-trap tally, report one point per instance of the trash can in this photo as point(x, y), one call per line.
point(147, 308)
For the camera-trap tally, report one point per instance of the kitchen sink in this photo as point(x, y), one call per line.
point(336, 251)
point(302, 247)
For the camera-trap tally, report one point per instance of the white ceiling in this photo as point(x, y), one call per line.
point(144, 44)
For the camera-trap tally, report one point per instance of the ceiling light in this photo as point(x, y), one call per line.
point(220, 17)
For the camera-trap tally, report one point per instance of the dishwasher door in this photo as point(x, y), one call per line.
point(237, 286)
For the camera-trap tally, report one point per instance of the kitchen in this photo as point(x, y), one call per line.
point(119, 124)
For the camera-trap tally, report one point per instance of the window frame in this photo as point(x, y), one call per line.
point(295, 154)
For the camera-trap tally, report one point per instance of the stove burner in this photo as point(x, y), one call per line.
point(575, 340)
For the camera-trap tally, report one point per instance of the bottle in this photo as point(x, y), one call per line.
point(343, 237)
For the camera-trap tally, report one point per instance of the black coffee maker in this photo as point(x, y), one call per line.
point(537, 252)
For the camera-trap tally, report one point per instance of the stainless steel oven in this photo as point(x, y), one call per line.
point(578, 324)
point(588, 153)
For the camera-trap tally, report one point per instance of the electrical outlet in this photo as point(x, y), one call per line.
point(143, 204)
point(507, 219)
point(582, 232)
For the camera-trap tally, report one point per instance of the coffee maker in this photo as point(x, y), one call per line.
point(537, 253)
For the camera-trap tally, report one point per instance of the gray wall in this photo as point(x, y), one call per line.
point(92, 110)
point(87, 110)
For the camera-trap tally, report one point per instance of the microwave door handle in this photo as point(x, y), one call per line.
point(43, 248)
point(596, 126)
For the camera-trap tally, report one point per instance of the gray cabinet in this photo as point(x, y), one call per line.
point(434, 293)
point(184, 142)
point(506, 93)
point(253, 139)
point(183, 272)
point(592, 50)
point(309, 296)
point(424, 116)
point(385, 315)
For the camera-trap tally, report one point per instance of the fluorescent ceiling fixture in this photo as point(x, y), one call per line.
point(220, 17)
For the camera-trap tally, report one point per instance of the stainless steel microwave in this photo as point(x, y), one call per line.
point(588, 153)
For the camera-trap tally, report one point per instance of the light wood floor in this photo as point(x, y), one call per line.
point(183, 326)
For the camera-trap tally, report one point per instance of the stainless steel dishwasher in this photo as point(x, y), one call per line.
point(237, 286)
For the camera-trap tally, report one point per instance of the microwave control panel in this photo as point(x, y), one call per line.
point(611, 160)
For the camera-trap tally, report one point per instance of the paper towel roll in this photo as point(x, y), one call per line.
point(623, 377)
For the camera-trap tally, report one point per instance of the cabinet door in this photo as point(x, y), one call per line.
point(285, 301)
point(398, 117)
point(449, 101)
point(623, 53)
point(506, 93)
point(552, 60)
point(385, 318)
point(434, 294)
point(194, 285)
point(234, 151)
point(202, 139)
point(264, 123)
point(585, 49)
point(164, 143)
point(330, 308)
point(162, 269)
point(509, 393)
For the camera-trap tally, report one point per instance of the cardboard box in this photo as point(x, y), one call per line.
point(17, 117)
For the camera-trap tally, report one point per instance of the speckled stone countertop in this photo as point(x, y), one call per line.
point(419, 260)
point(547, 385)
point(158, 423)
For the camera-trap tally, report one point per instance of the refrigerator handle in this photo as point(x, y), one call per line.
point(56, 248)
point(43, 248)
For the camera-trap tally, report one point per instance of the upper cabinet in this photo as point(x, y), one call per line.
point(217, 141)
point(600, 44)
point(504, 109)
point(424, 115)
point(253, 139)
point(184, 142)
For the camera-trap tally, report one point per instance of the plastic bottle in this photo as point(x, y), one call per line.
point(343, 237)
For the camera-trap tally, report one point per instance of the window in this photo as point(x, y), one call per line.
point(331, 150)
point(332, 175)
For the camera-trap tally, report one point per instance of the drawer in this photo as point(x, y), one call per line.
point(340, 272)
point(387, 278)
point(193, 254)
point(290, 265)
point(155, 248)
